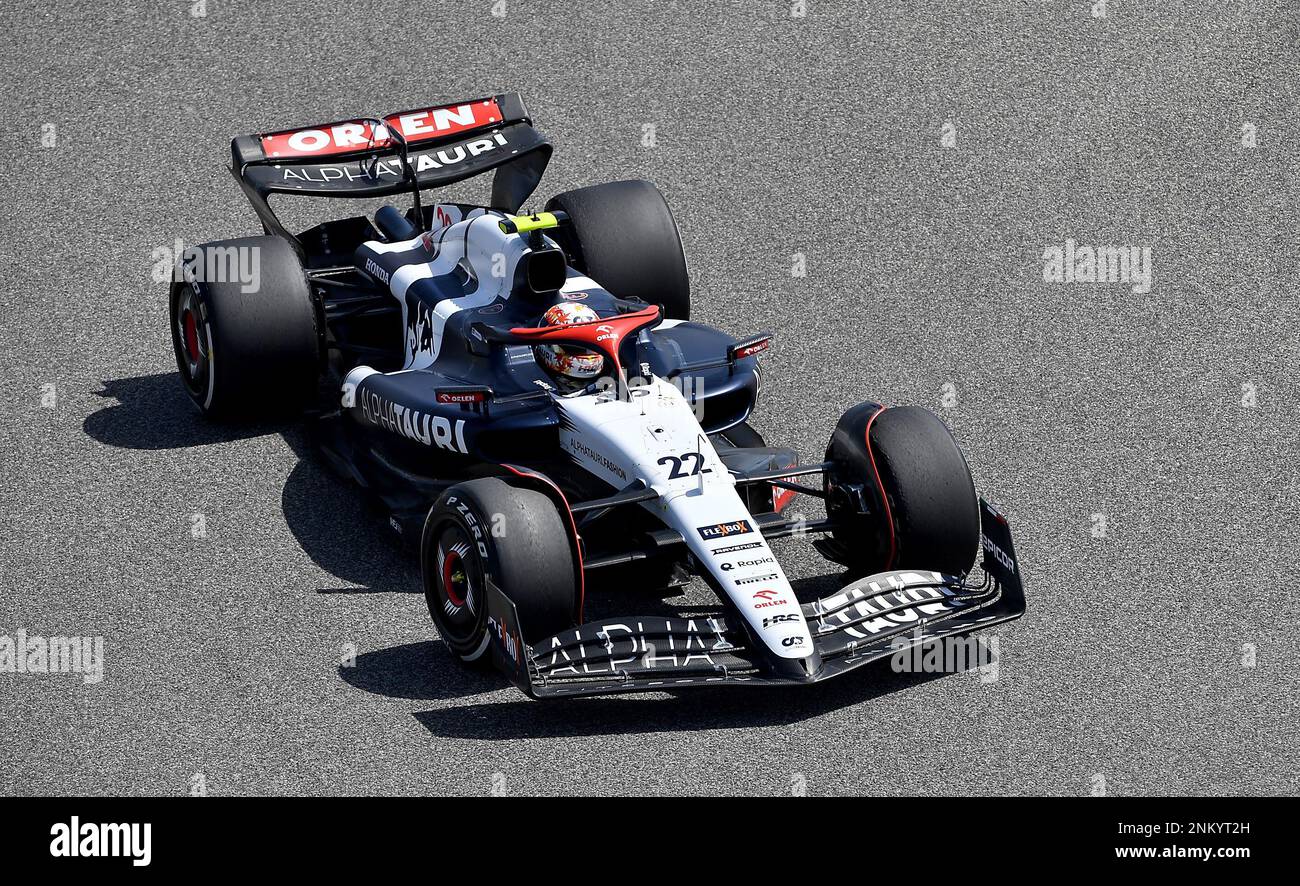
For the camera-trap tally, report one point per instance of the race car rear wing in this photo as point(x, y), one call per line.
point(406, 151)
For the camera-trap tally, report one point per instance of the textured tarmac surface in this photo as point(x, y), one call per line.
point(1086, 410)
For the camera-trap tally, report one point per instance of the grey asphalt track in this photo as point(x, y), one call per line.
point(773, 135)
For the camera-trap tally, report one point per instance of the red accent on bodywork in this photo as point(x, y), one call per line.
point(782, 498)
point(603, 335)
point(461, 396)
point(352, 136)
point(573, 529)
point(889, 517)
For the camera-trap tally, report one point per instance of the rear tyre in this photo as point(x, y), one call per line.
point(622, 235)
point(246, 354)
point(905, 467)
point(487, 528)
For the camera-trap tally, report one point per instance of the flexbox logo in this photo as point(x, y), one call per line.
point(1081, 263)
point(91, 840)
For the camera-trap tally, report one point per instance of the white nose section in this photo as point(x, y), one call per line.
point(653, 436)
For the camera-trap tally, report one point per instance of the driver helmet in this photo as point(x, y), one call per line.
point(572, 367)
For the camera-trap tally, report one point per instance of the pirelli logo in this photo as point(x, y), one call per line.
point(731, 549)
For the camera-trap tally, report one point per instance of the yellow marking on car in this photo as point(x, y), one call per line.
point(522, 224)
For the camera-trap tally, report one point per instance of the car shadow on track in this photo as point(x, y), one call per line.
point(152, 412)
point(342, 534)
point(347, 539)
point(329, 519)
point(689, 710)
point(423, 671)
point(428, 670)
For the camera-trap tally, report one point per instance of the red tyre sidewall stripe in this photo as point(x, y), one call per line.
point(884, 498)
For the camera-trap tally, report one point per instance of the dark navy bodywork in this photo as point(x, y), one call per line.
point(519, 425)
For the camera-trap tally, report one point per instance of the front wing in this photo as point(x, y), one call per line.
point(872, 618)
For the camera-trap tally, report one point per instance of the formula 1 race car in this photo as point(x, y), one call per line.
point(527, 397)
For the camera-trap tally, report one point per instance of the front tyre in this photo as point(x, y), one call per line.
point(900, 492)
point(244, 330)
point(487, 529)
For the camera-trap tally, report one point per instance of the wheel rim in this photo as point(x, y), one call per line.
point(193, 354)
point(460, 582)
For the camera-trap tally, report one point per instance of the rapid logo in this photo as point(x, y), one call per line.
point(741, 564)
point(722, 530)
point(431, 430)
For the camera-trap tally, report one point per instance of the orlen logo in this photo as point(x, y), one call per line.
point(606, 332)
point(415, 126)
point(462, 396)
point(765, 598)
